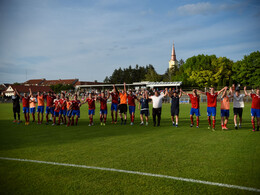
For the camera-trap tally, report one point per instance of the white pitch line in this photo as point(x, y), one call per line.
point(137, 173)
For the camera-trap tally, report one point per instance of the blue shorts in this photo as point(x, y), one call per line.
point(131, 109)
point(40, 109)
point(255, 112)
point(114, 107)
point(195, 111)
point(91, 112)
point(49, 110)
point(76, 112)
point(56, 113)
point(32, 110)
point(63, 112)
point(103, 111)
point(26, 110)
point(69, 113)
point(211, 111)
point(224, 113)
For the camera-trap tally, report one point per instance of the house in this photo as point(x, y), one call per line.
point(60, 81)
point(3, 87)
point(44, 82)
point(25, 89)
point(34, 82)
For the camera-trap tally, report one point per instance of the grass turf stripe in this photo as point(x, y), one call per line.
point(137, 173)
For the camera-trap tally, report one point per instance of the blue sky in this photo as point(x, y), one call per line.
point(88, 39)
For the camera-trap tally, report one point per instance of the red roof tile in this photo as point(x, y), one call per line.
point(60, 81)
point(34, 82)
point(25, 89)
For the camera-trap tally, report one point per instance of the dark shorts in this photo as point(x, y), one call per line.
point(144, 112)
point(238, 111)
point(56, 113)
point(122, 108)
point(16, 109)
point(224, 113)
point(175, 111)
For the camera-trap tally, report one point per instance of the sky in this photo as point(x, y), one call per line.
point(88, 39)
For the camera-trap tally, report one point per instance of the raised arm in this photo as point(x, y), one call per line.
point(30, 90)
point(231, 91)
point(183, 92)
point(180, 94)
point(246, 94)
point(225, 88)
point(18, 93)
point(115, 88)
point(223, 94)
point(166, 92)
point(124, 87)
point(201, 91)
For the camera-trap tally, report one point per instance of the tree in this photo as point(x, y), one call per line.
point(59, 87)
point(106, 80)
point(247, 71)
point(152, 75)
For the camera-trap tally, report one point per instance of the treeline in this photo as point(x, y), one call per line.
point(198, 71)
point(60, 87)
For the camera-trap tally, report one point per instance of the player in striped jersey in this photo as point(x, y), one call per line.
point(103, 107)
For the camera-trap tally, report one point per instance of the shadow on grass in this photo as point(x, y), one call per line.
point(13, 136)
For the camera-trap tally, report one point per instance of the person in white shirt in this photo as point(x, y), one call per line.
point(238, 105)
point(157, 106)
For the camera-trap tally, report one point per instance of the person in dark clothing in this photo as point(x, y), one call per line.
point(16, 107)
point(175, 106)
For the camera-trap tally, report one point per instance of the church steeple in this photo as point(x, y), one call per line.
point(173, 61)
point(173, 57)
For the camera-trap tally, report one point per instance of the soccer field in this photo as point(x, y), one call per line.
point(228, 157)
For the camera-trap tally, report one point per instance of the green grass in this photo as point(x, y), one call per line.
point(230, 157)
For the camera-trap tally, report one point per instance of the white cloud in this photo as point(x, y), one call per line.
point(194, 9)
point(205, 8)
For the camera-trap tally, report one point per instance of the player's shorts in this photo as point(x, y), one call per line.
point(69, 113)
point(131, 109)
point(123, 108)
point(49, 110)
point(114, 107)
point(195, 111)
point(145, 112)
point(175, 111)
point(16, 109)
point(32, 110)
point(40, 109)
point(224, 113)
point(76, 112)
point(91, 112)
point(211, 111)
point(56, 113)
point(63, 112)
point(26, 110)
point(238, 111)
point(255, 112)
point(103, 111)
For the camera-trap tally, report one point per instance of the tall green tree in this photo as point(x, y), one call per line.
point(152, 75)
point(247, 70)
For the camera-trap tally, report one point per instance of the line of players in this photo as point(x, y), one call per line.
point(64, 111)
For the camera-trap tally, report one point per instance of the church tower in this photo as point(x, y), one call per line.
point(173, 62)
